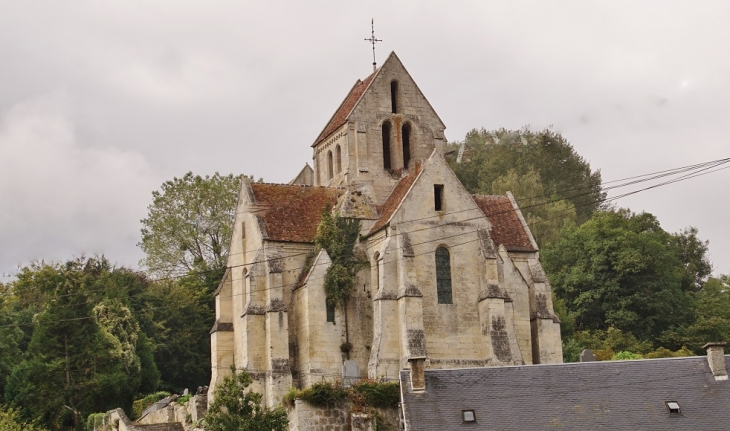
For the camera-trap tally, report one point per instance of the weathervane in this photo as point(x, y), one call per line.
point(372, 40)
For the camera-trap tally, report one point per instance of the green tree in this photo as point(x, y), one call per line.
point(711, 317)
point(10, 420)
point(10, 339)
point(622, 270)
point(564, 175)
point(81, 357)
point(236, 409)
point(189, 224)
point(544, 216)
point(177, 316)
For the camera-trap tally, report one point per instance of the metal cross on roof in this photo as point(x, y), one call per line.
point(372, 40)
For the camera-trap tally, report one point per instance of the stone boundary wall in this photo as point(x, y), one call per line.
point(339, 417)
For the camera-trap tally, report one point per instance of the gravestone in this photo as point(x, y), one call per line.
point(350, 372)
point(587, 356)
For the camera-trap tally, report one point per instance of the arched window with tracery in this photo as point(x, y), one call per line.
point(443, 275)
point(338, 159)
point(330, 174)
point(386, 145)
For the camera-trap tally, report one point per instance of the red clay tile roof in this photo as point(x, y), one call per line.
point(294, 211)
point(345, 108)
point(396, 196)
point(506, 227)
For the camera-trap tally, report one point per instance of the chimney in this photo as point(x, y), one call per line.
point(716, 359)
point(418, 375)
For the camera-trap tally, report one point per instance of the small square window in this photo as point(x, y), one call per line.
point(673, 407)
point(468, 416)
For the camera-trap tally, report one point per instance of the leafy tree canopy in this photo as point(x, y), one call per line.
point(711, 317)
point(10, 420)
point(622, 270)
point(81, 356)
point(234, 408)
point(189, 224)
point(538, 167)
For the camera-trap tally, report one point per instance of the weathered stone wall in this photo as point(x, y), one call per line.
point(318, 342)
point(306, 417)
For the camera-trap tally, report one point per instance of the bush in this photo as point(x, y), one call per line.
point(378, 395)
point(138, 406)
point(94, 421)
point(625, 355)
point(666, 353)
point(324, 393)
point(363, 394)
point(291, 396)
point(572, 350)
point(10, 420)
point(183, 399)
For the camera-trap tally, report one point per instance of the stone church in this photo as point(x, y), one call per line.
point(453, 281)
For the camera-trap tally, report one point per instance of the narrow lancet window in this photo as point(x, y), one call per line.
point(394, 96)
point(338, 161)
point(438, 197)
point(406, 144)
point(443, 276)
point(329, 165)
point(330, 312)
point(386, 145)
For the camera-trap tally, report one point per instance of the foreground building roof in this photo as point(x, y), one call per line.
point(610, 395)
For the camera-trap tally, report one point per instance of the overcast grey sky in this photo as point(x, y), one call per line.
point(100, 102)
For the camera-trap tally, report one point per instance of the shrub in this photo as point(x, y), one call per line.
point(138, 406)
point(378, 395)
point(291, 396)
point(324, 393)
point(11, 420)
point(94, 421)
point(626, 355)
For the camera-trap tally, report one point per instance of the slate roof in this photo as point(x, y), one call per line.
point(292, 212)
point(506, 226)
point(396, 197)
point(610, 395)
point(340, 116)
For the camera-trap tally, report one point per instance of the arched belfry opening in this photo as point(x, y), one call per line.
point(330, 167)
point(406, 136)
point(394, 96)
point(386, 145)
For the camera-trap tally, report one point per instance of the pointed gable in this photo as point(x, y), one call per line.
point(340, 116)
point(396, 197)
point(293, 212)
point(507, 228)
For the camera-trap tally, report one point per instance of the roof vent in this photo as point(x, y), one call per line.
point(468, 416)
point(673, 407)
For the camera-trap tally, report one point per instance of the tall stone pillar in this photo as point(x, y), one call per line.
point(547, 347)
point(497, 322)
point(384, 354)
point(221, 335)
point(410, 307)
point(278, 371)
